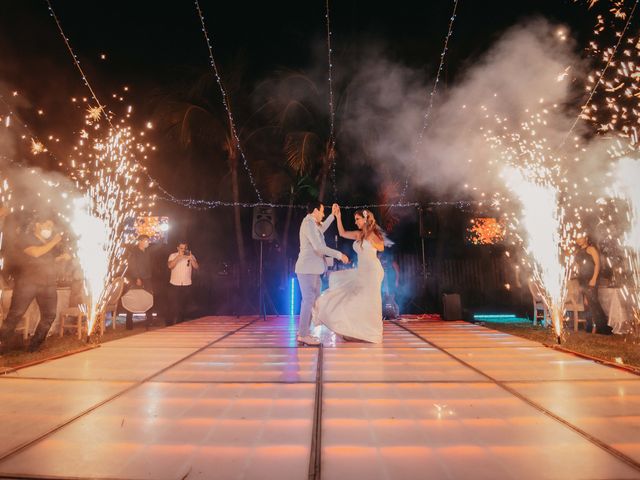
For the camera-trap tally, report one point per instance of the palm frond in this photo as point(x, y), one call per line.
point(187, 131)
point(291, 111)
point(300, 147)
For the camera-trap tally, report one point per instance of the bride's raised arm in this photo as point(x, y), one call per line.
point(352, 235)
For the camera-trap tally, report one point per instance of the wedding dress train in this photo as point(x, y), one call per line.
point(352, 305)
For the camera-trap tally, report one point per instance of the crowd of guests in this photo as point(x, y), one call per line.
point(139, 275)
point(39, 255)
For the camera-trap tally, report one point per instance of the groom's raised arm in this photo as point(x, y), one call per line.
point(327, 223)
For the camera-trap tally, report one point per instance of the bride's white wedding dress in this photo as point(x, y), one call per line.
point(352, 305)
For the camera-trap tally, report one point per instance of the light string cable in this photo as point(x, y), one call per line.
point(432, 94)
point(225, 102)
point(208, 204)
point(211, 204)
point(103, 111)
point(77, 62)
point(332, 113)
point(602, 73)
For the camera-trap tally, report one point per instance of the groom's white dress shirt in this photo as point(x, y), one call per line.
point(313, 248)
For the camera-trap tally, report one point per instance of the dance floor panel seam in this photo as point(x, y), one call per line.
point(524, 382)
point(69, 421)
point(251, 404)
point(618, 453)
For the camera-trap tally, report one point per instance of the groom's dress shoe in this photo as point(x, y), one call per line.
point(308, 340)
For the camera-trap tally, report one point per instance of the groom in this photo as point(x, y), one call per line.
point(311, 265)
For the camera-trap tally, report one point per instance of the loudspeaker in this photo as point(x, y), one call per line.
point(264, 227)
point(428, 221)
point(452, 307)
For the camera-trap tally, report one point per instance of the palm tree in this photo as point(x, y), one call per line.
point(388, 193)
point(201, 124)
point(307, 144)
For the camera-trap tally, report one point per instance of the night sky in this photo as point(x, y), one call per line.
point(152, 45)
point(157, 49)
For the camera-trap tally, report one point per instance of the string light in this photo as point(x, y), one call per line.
point(427, 114)
point(111, 196)
point(225, 102)
point(332, 139)
point(210, 204)
point(76, 61)
point(601, 76)
point(99, 110)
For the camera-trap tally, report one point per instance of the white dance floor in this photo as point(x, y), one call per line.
point(234, 398)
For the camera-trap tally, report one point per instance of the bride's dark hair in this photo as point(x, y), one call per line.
point(370, 225)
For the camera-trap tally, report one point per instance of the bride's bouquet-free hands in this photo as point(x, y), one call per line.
point(335, 210)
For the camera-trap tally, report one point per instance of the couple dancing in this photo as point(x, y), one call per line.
point(352, 306)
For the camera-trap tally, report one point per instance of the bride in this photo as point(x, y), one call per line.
point(352, 305)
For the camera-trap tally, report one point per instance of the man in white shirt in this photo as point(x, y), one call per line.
point(181, 263)
point(311, 265)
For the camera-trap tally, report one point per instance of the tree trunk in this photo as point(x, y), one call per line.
point(442, 216)
point(233, 163)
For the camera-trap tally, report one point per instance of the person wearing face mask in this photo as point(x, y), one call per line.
point(38, 252)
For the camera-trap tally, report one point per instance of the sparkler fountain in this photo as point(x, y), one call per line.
point(111, 201)
point(546, 235)
point(545, 220)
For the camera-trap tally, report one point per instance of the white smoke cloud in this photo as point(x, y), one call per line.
point(31, 188)
point(387, 103)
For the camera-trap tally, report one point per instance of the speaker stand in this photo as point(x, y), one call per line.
point(424, 261)
point(261, 303)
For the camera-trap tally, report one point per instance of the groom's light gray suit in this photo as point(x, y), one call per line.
point(311, 265)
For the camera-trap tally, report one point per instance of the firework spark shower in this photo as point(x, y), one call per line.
point(545, 232)
point(108, 173)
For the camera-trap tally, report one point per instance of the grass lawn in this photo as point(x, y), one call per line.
point(619, 349)
point(56, 346)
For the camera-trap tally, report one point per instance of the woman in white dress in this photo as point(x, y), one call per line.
point(352, 305)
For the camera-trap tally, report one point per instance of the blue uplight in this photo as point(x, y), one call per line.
point(498, 318)
point(293, 297)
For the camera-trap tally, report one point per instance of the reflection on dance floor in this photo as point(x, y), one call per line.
point(227, 397)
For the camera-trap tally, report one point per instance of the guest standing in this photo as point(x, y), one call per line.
point(181, 263)
point(38, 253)
point(589, 266)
